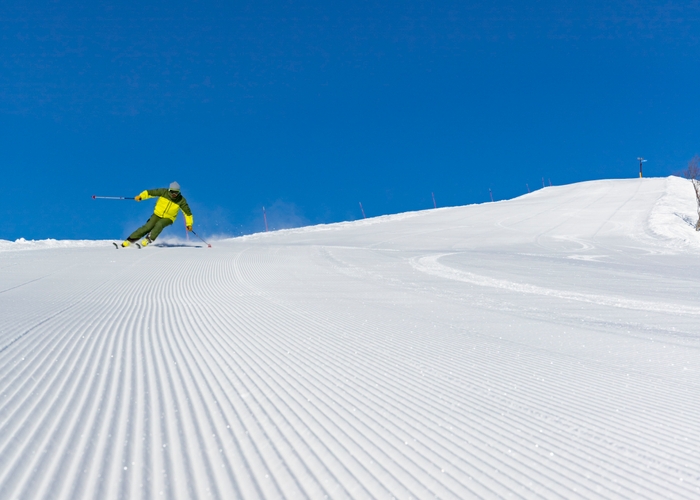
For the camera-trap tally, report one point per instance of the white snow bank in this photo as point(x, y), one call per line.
point(22, 244)
point(675, 214)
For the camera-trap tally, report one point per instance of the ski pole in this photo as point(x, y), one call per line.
point(198, 236)
point(112, 197)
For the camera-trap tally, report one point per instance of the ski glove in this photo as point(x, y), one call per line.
point(189, 228)
point(138, 198)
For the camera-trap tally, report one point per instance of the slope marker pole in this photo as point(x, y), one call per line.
point(434, 204)
point(641, 160)
point(363, 211)
point(265, 218)
point(491, 194)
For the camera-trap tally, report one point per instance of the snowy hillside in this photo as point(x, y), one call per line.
point(547, 346)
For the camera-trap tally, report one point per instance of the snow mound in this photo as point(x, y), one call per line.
point(675, 214)
point(22, 244)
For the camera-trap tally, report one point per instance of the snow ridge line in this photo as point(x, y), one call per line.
point(431, 265)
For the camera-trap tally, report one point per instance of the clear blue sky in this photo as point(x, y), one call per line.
point(309, 107)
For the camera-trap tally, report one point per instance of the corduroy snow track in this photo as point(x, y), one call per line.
point(542, 347)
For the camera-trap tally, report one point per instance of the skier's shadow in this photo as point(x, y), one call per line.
point(175, 245)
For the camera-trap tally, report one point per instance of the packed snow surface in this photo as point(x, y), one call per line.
point(546, 346)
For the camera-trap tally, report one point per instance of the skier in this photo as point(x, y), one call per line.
point(170, 201)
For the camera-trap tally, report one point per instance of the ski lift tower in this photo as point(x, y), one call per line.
point(641, 160)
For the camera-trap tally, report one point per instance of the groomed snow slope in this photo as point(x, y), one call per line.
point(546, 346)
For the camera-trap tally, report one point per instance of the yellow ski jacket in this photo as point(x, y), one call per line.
point(167, 207)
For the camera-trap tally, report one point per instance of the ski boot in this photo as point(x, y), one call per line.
point(128, 242)
point(146, 241)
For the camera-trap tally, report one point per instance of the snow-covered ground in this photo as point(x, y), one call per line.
point(547, 346)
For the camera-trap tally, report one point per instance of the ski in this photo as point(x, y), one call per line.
point(117, 246)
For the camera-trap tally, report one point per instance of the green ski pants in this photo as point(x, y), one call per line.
point(154, 226)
